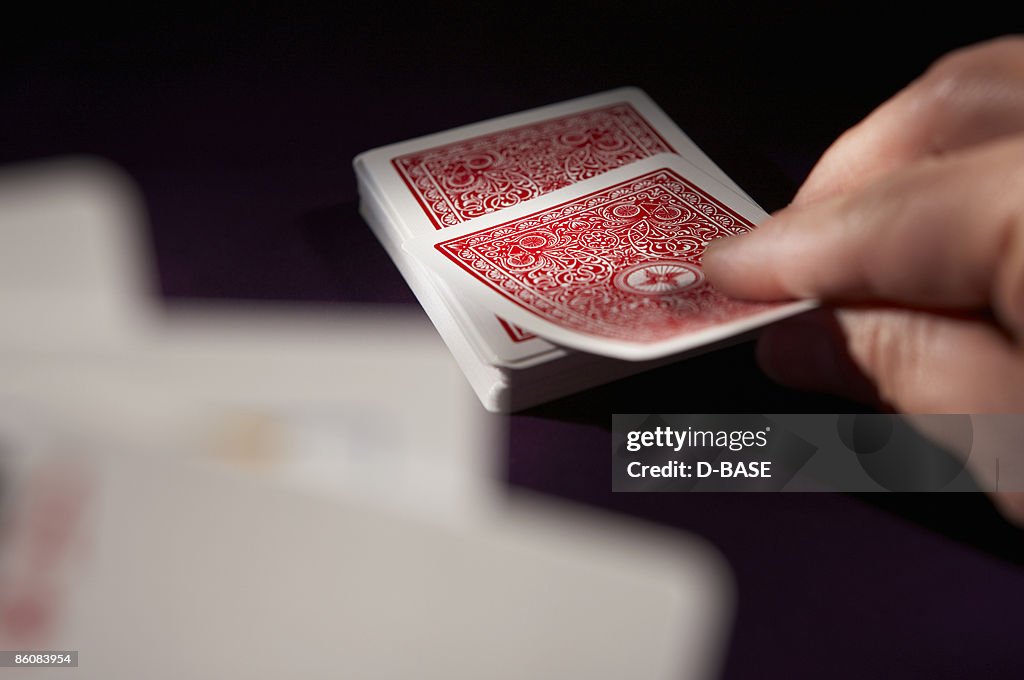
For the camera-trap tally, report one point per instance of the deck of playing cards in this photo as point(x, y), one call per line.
point(559, 248)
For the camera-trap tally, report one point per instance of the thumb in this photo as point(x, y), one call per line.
point(946, 234)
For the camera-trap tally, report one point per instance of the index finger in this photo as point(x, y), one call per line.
point(969, 97)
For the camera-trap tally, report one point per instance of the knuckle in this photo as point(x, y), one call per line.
point(946, 95)
point(947, 79)
point(968, 63)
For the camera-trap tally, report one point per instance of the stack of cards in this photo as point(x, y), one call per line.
point(559, 248)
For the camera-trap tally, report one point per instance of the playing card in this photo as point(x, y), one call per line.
point(168, 567)
point(442, 180)
point(338, 400)
point(610, 265)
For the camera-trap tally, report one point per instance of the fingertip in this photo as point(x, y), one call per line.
point(747, 265)
point(726, 262)
point(715, 259)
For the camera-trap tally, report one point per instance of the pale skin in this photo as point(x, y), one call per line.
point(911, 229)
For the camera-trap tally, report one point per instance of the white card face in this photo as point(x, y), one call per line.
point(610, 265)
point(435, 182)
point(163, 568)
point(359, 400)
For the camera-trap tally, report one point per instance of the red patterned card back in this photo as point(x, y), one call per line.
point(456, 182)
point(621, 263)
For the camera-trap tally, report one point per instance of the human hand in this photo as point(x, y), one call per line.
point(912, 226)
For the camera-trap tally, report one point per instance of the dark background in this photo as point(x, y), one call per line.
point(240, 124)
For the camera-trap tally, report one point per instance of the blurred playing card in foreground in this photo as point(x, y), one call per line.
point(157, 567)
point(332, 401)
point(274, 492)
